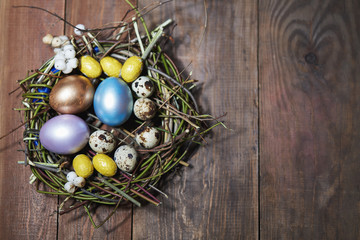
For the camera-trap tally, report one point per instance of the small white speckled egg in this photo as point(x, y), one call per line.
point(126, 158)
point(143, 86)
point(56, 42)
point(69, 187)
point(60, 64)
point(71, 176)
point(79, 182)
point(144, 109)
point(102, 141)
point(147, 137)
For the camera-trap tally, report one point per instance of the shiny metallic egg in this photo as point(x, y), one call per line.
point(113, 102)
point(64, 134)
point(72, 94)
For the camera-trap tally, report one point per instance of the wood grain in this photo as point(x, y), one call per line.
point(24, 214)
point(309, 77)
point(215, 198)
point(300, 59)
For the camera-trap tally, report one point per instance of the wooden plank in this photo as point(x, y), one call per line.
point(216, 197)
point(76, 224)
point(24, 213)
point(309, 77)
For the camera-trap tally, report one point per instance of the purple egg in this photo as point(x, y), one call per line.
point(64, 134)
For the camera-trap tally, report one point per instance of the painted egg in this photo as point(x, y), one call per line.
point(104, 165)
point(102, 141)
point(83, 166)
point(72, 94)
point(143, 86)
point(113, 102)
point(90, 67)
point(111, 66)
point(131, 69)
point(64, 134)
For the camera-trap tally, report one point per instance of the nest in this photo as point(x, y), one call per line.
point(177, 119)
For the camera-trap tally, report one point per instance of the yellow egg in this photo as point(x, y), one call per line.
point(90, 67)
point(111, 66)
point(131, 69)
point(104, 165)
point(83, 166)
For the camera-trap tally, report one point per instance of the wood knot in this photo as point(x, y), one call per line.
point(311, 58)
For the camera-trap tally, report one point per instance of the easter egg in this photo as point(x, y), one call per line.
point(131, 69)
point(72, 94)
point(90, 67)
point(111, 66)
point(113, 102)
point(104, 165)
point(102, 141)
point(126, 158)
point(83, 166)
point(64, 134)
point(143, 86)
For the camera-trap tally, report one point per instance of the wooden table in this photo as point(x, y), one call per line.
point(286, 72)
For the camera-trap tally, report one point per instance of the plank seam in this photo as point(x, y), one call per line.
point(258, 110)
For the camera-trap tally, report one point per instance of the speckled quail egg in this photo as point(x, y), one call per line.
point(126, 158)
point(147, 137)
point(143, 86)
point(144, 109)
point(102, 141)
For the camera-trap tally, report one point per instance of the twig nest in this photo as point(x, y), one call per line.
point(83, 166)
point(111, 66)
point(144, 109)
point(71, 176)
point(104, 165)
point(102, 141)
point(126, 158)
point(131, 69)
point(143, 86)
point(78, 29)
point(69, 187)
point(147, 137)
point(90, 67)
point(47, 39)
point(79, 182)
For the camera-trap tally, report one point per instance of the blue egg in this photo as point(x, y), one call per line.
point(113, 102)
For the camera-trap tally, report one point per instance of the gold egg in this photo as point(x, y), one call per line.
point(111, 66)
point(72, 94)
point(90, 67)
point(131, 69)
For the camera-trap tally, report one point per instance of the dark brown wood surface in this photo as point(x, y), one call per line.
point(309, 119)
point(285, 72)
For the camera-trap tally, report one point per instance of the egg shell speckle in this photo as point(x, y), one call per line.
point(147, 137)
point(144, 109)
point(143, 87)
point(102, 141)
point(126, 158)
